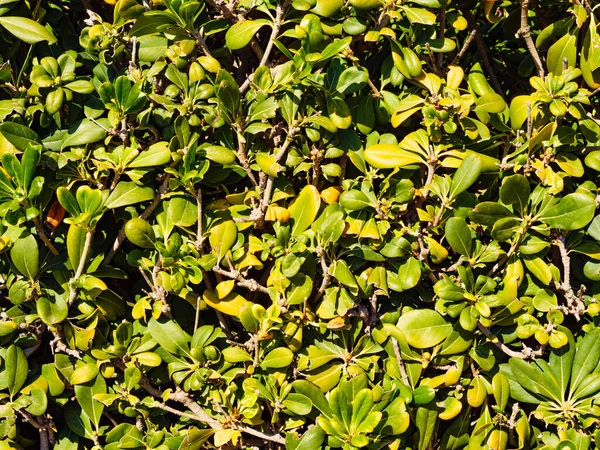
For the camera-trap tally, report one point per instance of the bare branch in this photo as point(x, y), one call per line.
point(42, 234)
point(400, 361)
point(526, 353)
point(251, 285)
point(525, 33)
point(267, 53)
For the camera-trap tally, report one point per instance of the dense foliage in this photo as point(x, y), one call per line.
point(299, 224)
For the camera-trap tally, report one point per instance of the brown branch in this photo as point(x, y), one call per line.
point(58, 345)
point(164, 188)
point(465, 46)
point(400, 361)
point(526, 353)
point(42, 234)
point(440, 56)
point(266, 197)
point(525, 33)
point(575, 304)
point(251, 285)
point(199, 232)
point(483, 52)
point(274, 33)
point(243, 157)
point(199, 413)
point(326, 275)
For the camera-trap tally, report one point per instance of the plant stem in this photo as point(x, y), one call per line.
point(42, 234)
point(526, 353)
point(82, 261)
point(400, 361)
point(267, 53)
point(525, 32)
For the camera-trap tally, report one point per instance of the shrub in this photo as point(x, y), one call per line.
point(301, 225)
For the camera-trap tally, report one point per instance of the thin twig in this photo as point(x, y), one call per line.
point(266, 197)
point(440, 56)
point(525, 32)
point(58, 345)
point(326, 275)
point(526, 353)
point(243, 157)
point(199, 232)
point(465, 46)
point(199, 414)
point(267, 53)
point(42, 234)
point(250, 284)
point(575, 304)
point(400, 361)
point(483, 53)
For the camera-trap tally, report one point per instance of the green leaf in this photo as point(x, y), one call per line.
point(409, 274)
point(572, 212)
point(26, 29)
point(152, 48)
point(196, 438)
point(39, 402)
point(277, 358)
point(490, 103)
point(586, 358)
point(501, 390)
point(531, 377)
point(228, 93)
point(352, 80)
point(85, 132)
point(545, 300)
point(169, 336)
point(52, 310)
point(390, 156)
point(519, 110)
point(75, 243)
point(458, 236)
point(140, 232)
point(565, 47)
point(128, 193)
point(311, 440)
point(355, 200)
point(561, 360)
point(85, 396)
point(418, 15)
point(222, 237)
point(184, 213)
point(84, 373)
point(488, 213)
point(425, 420)
point(466, 174)
point(317, 397)
point(156, 155)
point(19, 135)
point(241, 33)
point(304, 210)
point(515, 190)
point(16, 369)
point(424, 328)
point(25, 256)
point(298, 404)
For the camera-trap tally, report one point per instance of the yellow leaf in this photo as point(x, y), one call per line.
point(230, 305)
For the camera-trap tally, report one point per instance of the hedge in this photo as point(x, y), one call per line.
point(307, 224)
